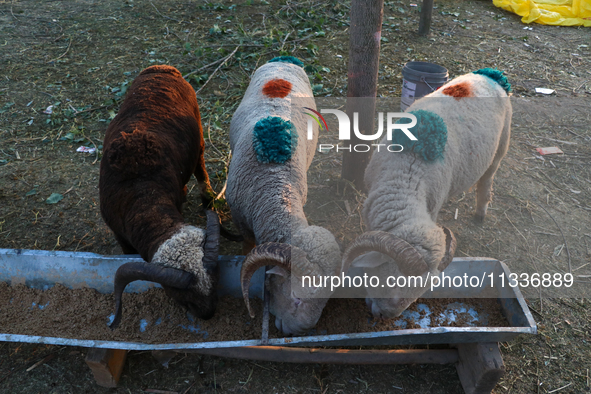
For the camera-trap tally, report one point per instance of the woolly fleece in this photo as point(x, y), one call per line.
point(405, 194)
point(495, 75)
point(431, 133)
point(274, 140)
point(287, 59)
point(459, 90)
point(184, 250)
point(283, 188)
point(277, 88)
point(267, 200)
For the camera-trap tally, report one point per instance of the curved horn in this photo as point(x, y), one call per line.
point(408, 258)
point(450, 249)
point(212, 240)
point(140, 270)
point(273, 253)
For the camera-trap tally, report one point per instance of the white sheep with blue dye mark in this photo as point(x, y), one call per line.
point(463, 133)
point(267, 190)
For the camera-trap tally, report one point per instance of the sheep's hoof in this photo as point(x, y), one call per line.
point(478, 218)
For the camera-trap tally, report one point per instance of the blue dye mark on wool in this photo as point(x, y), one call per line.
point(431, 134)
point(287, 59)
point(111, 318)
point(495, 75)
point(274, 140)
point(143, 325)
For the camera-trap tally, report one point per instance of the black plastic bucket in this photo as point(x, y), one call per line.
point(419, 79)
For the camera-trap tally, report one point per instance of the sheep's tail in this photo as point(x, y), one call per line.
point(497, 76)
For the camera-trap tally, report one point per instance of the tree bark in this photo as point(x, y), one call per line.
point(425, 21)
point(364, 51)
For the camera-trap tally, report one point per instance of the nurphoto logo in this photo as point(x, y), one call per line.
point(345, 130)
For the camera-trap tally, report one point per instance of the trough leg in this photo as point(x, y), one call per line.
point(106, 365)
point(480, 367)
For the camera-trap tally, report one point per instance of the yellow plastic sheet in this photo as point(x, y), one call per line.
point(550, 12)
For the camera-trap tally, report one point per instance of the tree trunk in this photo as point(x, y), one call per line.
point(364, 51)
point(425, 21)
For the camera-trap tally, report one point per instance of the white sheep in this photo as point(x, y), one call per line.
point(267, 190)
point(406, 190)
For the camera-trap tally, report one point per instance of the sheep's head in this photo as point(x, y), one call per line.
point(317, 254)
point(185, 266)
point(374, 252)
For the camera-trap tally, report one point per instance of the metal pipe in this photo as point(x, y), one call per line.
point(266, 300)
point(334, 356)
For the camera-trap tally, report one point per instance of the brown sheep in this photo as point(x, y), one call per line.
point(151, 149)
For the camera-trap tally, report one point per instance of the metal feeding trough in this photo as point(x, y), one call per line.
point(43, 269)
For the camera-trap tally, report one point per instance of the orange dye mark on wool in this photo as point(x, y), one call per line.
point(185, 190)
point(458, 90)
point(277, 88)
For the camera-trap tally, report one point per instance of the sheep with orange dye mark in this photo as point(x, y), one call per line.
point(458, 90)
point(277, 88)
point(460, 142)
point(267, 190)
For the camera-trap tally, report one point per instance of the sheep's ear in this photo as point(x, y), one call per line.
point(278, 271)
point(370, 260)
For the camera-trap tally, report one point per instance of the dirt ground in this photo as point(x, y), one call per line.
point(79, 58)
